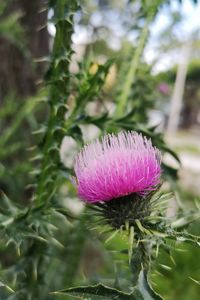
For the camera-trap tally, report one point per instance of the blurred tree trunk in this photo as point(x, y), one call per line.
point(23, 37)
point(18, 73)
point(191, 106)
point(177, 96)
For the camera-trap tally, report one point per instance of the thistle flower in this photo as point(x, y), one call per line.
point(117, 166)
point(118, 173)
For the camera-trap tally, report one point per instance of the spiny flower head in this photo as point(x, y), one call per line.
point(116, 166)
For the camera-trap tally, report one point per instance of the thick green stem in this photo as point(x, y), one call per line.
point(58, 77)
point(139, 261)
point(140, 267)
point(131, 75)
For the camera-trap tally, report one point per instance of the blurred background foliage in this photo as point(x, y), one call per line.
point(96, 80)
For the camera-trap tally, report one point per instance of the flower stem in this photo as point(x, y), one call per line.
point(58, 78)
point(134, 64)
point(140, 261)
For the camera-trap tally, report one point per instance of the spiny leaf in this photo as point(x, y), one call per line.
point(165, 267)
point(37, 157)
point(185, 220)
point(131, 240)
point(35, 236)
point(99, 121)
point(139, 225)
point(166, 149)
point(145, 288)
point(5, 201)
point(98, 290)
point(112, 236)
point(42, 130)
point(159, 234)
point(194, 280)
point(3, 285)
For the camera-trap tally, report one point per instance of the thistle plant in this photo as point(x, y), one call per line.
point(119, 177)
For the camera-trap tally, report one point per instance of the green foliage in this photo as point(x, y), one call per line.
point(10, 27)
point(14, 144)
point(184, 259)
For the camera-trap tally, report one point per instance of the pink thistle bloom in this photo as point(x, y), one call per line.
point(163, 88)
point(116, 166)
